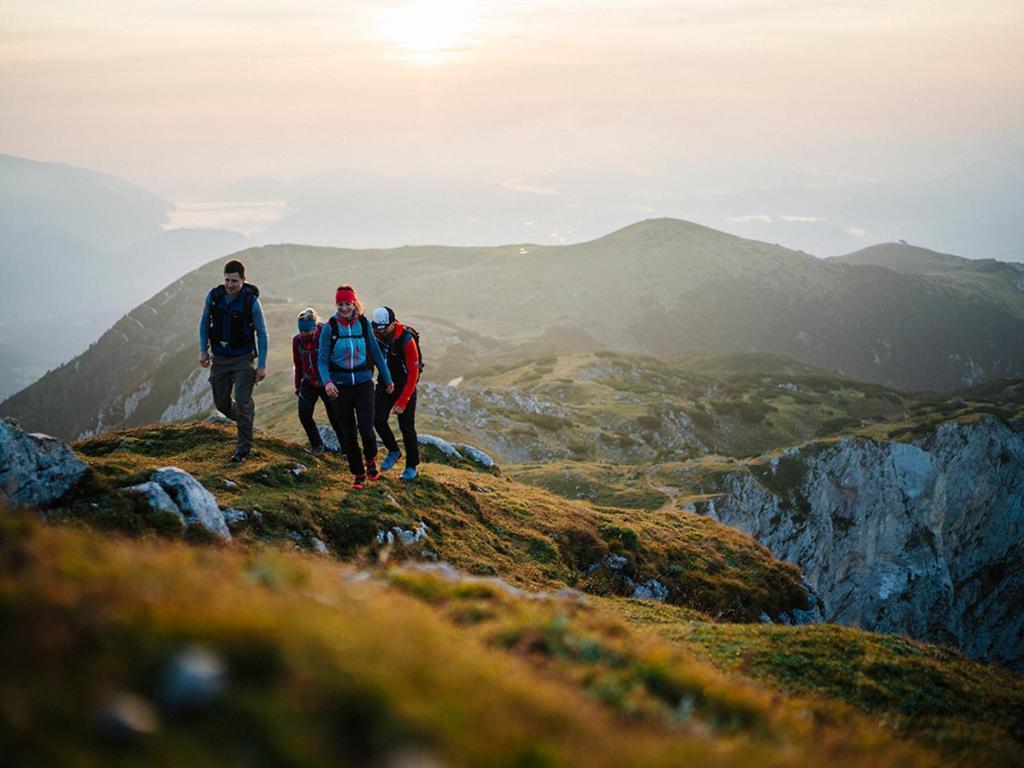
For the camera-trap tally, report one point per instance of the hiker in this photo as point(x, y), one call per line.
point(308, 389)
point(232, 326)
point(401, 348)
point(348, 350)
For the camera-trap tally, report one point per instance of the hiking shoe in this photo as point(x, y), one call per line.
point(372, 473)
point(389, 460)
point(317, 450)
point(410, 473)
point(238, 457)
point(358, 482)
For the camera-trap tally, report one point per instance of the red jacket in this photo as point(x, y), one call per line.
point(305, 357)
point(412, 365)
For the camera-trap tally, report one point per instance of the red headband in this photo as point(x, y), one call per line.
point(345, 294)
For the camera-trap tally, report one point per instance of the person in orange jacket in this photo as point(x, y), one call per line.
point(401, 347)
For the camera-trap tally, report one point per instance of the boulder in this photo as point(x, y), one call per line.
point(193, 679)
point(652, 589)
point(35, 469)
point(235, 519)
point(443, 446)
point(615, 562)
point(197, 505)
point(404, 537)
point(127, 717)
point(157, 499)
point(475, 455)
point(329, 438)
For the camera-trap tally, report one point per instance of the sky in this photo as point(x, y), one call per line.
point(191, 98)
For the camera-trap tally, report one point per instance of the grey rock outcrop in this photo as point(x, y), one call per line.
point(35, 469)
point(235, 519)
point(403, 536)
point(457, 451)
point(923, 538)
point(329, 438)
point(193, 679)
point(443, 446)
point(475, 455)
point(157, 499)
point(652, 589)
point(196, 504)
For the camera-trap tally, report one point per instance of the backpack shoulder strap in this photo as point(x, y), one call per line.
point(251, 294)
point(333, 323)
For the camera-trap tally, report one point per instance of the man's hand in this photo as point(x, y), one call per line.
point(390, 388)
point(204, 359)
point(331, 389)
point(261, 374)
point(398, 410)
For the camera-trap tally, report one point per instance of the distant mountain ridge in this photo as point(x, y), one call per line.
point(84, 245)
point(663, 286)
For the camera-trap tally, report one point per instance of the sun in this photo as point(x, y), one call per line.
point(428, 31)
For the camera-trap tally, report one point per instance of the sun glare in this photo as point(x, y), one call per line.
point(428, 31)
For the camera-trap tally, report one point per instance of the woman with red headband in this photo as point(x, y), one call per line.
point(344, 364)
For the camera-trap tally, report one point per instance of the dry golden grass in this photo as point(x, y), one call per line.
point(323, 670)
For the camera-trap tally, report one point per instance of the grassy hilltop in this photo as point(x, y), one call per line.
point(373, 655)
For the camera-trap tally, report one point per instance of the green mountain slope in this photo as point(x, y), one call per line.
point(996, 281)
point(664, 287)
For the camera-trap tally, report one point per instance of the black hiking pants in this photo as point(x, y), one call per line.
point(308, 395)
point(406, 423)
point(352, 406)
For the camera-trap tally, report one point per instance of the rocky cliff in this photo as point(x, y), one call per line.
point(922, 537)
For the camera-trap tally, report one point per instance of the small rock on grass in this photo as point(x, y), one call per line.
point(194, 678)
point(127, 717)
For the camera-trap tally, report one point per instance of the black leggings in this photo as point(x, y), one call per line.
point(308, 395)
point(406, 423)
point(355, 403)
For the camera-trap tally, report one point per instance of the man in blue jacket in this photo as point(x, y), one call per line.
point(233, 327)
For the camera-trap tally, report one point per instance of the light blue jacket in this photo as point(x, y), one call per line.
point(348, 364)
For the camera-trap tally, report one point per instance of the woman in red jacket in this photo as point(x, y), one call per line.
point(308, 387)
point(401, 347)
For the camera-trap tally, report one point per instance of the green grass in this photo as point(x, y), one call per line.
point(479, 522)
point(967, 708)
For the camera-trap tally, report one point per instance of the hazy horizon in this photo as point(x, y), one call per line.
point(734, 114)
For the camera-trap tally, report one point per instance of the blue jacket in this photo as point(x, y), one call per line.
point(350, 357)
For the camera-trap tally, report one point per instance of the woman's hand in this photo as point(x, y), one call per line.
point(390, 388)
point(331, 389)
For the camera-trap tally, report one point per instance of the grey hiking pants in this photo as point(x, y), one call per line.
point(238, 373)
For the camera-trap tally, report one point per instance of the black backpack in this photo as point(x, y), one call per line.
point(240, 326)
point(336, 334)
point(419, 350)
point(395, 350)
